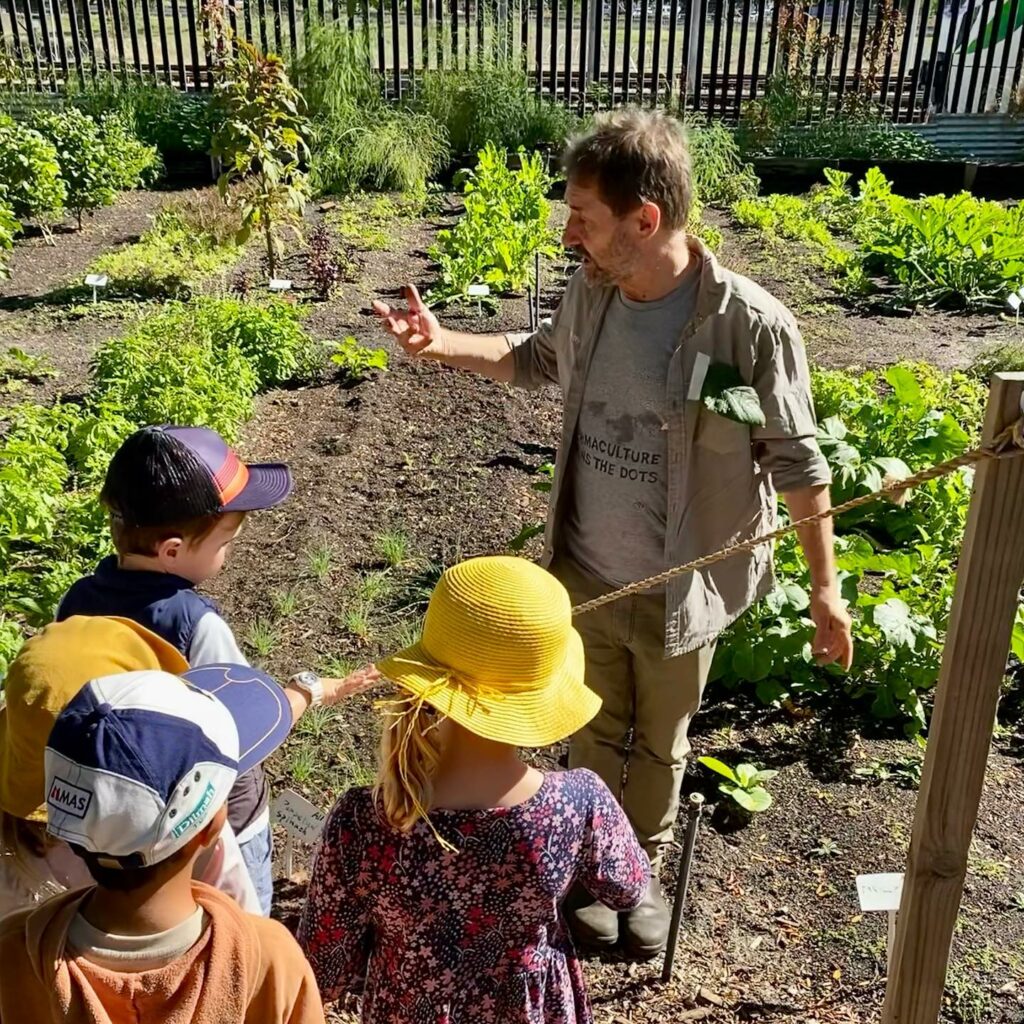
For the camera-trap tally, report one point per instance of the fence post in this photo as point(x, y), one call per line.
point(988, 585)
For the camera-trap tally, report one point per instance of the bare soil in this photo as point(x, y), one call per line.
point(420, 466)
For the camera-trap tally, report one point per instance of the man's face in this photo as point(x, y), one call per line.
point(608, 245)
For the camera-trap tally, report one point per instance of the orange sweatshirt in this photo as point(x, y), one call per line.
point(243, 970)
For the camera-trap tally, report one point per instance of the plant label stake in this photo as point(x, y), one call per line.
point(300, 820)
point(478, 292)
point(279, 284)
point(695, 808)
point(882, 892)
point(95, 282)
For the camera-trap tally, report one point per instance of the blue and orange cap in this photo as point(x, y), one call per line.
point(169, 474)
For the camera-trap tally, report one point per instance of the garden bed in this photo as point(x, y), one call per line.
point(420, 466)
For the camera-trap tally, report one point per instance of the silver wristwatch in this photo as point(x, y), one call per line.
point(309, 683)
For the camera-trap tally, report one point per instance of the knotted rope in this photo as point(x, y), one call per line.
point(1007, 443)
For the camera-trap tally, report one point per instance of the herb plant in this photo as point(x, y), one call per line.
point(743, 784)
point(355, 361)
point(29, 173)
point(322, 263)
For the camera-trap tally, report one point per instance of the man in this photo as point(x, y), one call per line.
point(647, 476)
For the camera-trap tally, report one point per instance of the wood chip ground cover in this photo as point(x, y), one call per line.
point(445, 463)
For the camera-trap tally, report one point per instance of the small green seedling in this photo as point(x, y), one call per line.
point(743, 783)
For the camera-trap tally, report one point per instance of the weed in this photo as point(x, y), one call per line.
point(302, 762)
point(826, 848)
point(393, 547)
point(720, 175)
point(407, 633)
point(18, 368)
point(315, 721)
point(286, 603)
point(1007, 357)
point(965, 997)
point(905, 771)
point(319, 558)
point(743, 783)
point(261, 637)
point(987, 867)
point(373, 587)
point(355, 361)
point(356, 620)
point(337, 666)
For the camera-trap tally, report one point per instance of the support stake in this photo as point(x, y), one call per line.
point(695, 808)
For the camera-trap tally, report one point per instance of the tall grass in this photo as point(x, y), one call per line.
point(361, 141)
point(493, 102)
point(720, 175)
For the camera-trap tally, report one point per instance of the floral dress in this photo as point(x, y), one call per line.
point(435, 937)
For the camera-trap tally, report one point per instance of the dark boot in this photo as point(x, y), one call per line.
point(645, 928)
point(593, 925)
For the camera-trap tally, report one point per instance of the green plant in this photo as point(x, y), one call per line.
point(718, 172)
point(362, 141)
point(373, 587)
point(98, 157)
point(302, 762)
point(174, 122)
point(826, 848)
point(323, 265)
point(29, 173)
point(285, 602)
point(504, 224)
point(493, 102)
point(170, 259)
point(319, 558)
point(314, 721)
point(10, 226)
point(1007, 356)
point(904, 771)
point(743, 783)
point(355, 361)
point(393, 547)
point(1017, 900)
point(896, 564)
point(17, 367)
point(261, 637)
point(261, 137)
point(356, 620)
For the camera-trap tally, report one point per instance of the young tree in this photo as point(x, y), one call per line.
point(261, 136)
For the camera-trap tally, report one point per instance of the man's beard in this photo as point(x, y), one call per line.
point(615, 266)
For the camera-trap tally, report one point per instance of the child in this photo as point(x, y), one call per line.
point(436, 895)
point(47, 673)
point(177, 497)
point(138, 771)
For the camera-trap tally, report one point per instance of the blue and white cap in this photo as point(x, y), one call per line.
point(138, 764)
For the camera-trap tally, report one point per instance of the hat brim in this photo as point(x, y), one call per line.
point(530, 718)
point(255, 701)
point(268, 485)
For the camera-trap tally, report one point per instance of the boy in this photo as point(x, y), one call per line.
point(47, 673)
point(177, 497)
point(138, 771)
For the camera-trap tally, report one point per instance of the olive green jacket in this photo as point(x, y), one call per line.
point(722, 475)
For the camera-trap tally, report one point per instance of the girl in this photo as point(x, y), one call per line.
point(436, 895)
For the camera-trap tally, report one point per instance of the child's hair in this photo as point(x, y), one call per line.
point(410, 751)
point(145, 540)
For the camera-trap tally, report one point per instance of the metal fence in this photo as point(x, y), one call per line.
point(709, 55)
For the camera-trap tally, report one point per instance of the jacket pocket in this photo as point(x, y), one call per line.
point(720, 434)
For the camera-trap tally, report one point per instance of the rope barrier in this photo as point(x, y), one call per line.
point(1008, 443)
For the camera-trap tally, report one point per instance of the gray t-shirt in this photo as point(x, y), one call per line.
point(615, 526)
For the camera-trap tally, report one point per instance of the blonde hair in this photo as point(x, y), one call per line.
point(410, 751)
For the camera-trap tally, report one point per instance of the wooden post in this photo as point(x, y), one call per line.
point(973, 664)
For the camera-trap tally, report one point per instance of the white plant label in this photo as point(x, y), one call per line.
point(96, 280)
point(279, 284)
point(700, 370)
point(478, 291)
point(880, 892)
point(297, 816)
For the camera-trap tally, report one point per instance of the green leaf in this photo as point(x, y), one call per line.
point(755, 801)
point(795, 595)
point(718, 766)
point(894, 619)
point(740, 404)
point(745, 774)
point(905, 387)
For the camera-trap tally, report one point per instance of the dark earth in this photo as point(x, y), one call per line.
point(417, 467)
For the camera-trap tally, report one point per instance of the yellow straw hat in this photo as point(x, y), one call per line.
point(499, 655)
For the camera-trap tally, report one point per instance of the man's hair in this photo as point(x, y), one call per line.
point(145, 540)
point(129, 879)
point(635, 157)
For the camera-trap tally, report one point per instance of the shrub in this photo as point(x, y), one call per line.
point(97, 158)
point(29, 172)
point(493, 102)
point(9, 227)
point(897, 565)
point(189, 241)
point(174, 122)
point(504, 224)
